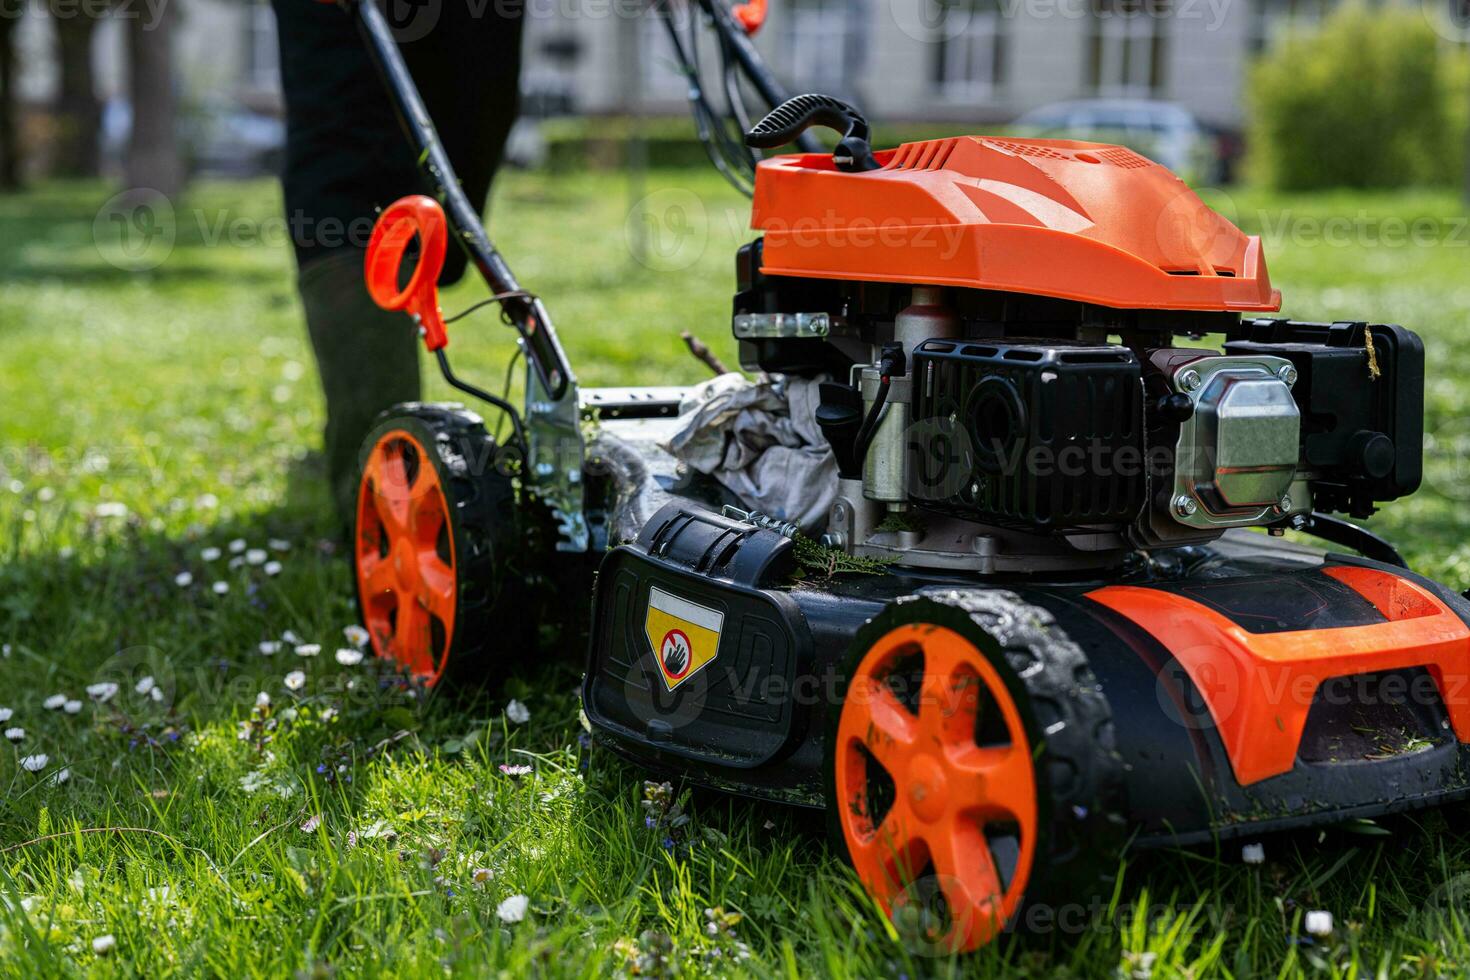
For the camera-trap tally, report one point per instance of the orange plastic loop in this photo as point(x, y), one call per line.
point(408, 218)
point(752, 15)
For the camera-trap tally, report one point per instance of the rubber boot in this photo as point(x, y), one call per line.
point(367, 358)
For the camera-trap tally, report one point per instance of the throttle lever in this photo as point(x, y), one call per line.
point(421, 217)
point(795, 116)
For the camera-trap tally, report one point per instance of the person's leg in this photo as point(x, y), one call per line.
point(346, 158)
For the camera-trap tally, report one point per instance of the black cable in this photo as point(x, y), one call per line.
point(735, 166)
point(870, 424)
point(497, 298)
point(485, 396)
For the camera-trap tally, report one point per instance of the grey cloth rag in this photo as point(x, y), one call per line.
point(760, 439)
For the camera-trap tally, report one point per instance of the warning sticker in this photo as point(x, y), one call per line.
point(685, 636)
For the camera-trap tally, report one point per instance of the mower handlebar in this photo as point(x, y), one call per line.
point(421, 217)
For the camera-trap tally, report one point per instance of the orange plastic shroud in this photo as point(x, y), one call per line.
point(1080, 221)
point(1259, 687)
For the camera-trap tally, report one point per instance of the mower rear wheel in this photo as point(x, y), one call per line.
point(444, 576)
point(972, 774)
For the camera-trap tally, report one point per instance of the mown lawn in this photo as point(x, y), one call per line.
point(148, 417)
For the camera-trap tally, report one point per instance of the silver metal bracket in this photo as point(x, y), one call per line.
point(557, 454)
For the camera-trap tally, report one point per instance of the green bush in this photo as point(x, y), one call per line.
point(1374, 99)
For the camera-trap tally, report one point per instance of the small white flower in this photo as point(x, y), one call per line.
point(256, 556)
point(156, 694)
point(103, 945)
point(272, 568)
point(45, 495)
point(356, 635)
point(295, 680)
point(145, 685)
point(35, 763)
point(262, 700)
point(312, 824)
point(111, 510)
point(184, 579)
point(237, 546)
point(72, 707)
point(236, 562)
point(1319, 923)
point(210, 554)
point(481, 875)
point(279, 544)
point(55, 702)
point(513, 909)
point(308, 649)
point(5, 650)
point(1253, 854)
point(102, 692)
point(270, 647)
point(61, 777)
point(290, 637)
point(15, 734)
point(517, 712)
point(515, 772)
point(221, 588)
point(5, 714)
point(207, 501)
point(349, 657)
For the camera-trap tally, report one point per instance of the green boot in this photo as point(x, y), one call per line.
point(367, 358)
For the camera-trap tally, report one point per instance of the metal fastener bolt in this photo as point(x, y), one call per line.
point(1185, 505)
point(1285, 505)
point(1287, 374)
point(1190, 380)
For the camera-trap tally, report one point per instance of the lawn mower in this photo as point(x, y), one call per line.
point(1064, 599)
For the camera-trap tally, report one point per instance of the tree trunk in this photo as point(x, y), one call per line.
point(10, 149)
point(78, 114)
point(153, 157)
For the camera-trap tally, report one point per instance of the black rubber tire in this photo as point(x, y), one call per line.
point(1081, 804)
point(499, 544)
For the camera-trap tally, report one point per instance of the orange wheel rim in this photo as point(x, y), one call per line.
point(936, 792)
point(405, 557)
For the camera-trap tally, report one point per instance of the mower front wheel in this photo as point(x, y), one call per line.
point(972, 774)
point(444, 568)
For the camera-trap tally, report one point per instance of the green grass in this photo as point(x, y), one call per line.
point(188, 828)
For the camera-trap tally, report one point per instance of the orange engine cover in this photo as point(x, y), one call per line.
point(1079, 221)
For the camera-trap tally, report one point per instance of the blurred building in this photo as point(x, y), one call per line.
point(951, 60)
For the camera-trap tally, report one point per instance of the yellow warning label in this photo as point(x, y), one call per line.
point(684, 635)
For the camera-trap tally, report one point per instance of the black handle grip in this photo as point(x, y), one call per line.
point(796, 115)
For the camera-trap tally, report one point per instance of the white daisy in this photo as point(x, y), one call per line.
point(103, 691)
point(1319, 923)
point(15, 734)
point(145, 685)
point(356, 635)
point(256, 556)
point(103, 945)
point(272, 568)
point(295, 680)
point(237, 546)
point(72, 707)
point(270, 647)
point(262, 700)
point(517, 712)
point(61, 777)
point(236, 562)
point(221, 588)
point(481, 875)
point(349, 657)
point(1253, 854)
point(55, 702)
point(184, 579)
point(308, 649)
point(5, 714)
point(111, 510)
point(279, 544)
point(210, 554)
point(156, 694)
point(35, 763)
point(513, 909)
point(312, 824)
point(290, 637)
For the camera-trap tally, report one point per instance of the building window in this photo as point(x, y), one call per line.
point(823, 44)
point(970, 57)
point(1273, 21)
point(1128, 46)
point(262, 55)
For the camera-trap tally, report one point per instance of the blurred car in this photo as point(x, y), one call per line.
point(1166, 133)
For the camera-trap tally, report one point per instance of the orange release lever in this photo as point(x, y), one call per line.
point(751, 15)
point(405, 219)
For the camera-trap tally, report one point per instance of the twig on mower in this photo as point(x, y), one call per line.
point(701, 351)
